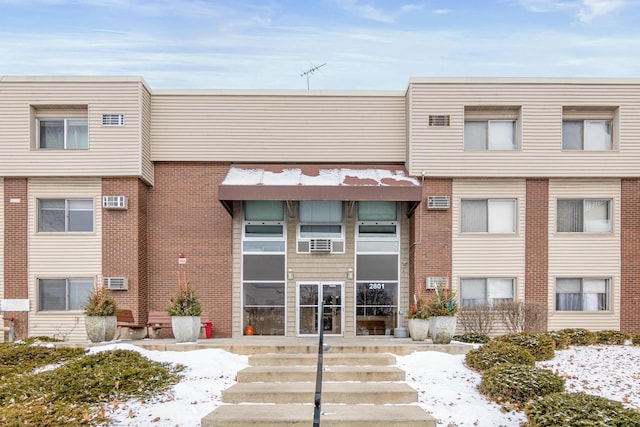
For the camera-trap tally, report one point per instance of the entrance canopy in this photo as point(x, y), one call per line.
point(319, 182)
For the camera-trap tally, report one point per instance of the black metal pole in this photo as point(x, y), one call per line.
point(318, 393)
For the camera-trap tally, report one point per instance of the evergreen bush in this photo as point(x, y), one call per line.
point(539, 344)
point(497, 353)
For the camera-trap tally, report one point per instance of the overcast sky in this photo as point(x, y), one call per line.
point(365, 44)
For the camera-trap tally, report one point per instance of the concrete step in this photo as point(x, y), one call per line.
point(328, 359)
point(330, 373)
point(332, 416)
point(348, 393)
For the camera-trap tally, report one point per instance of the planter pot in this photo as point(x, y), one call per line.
point(442, 328)
point(249, 330)
point(418, 329)
point(100, 328)
point(185, 328)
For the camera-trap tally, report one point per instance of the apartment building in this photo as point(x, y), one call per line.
point(272, 202)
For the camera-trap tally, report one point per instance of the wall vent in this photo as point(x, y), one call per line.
point(439, 120)
point(115, 283)
point(434, 282)
point(113, 120)
point(320, 245)
point(114, 202)
point(438, 202)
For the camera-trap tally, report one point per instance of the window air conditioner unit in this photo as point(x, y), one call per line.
point(320, 245)
point(438, 202)
point(434, 282)
point(114, 202)
point(115, 283)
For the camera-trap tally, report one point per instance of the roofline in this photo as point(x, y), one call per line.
point(276, 92)
point(73, 79)
point(524, 80)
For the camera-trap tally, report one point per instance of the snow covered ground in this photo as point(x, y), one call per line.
point(446, 388)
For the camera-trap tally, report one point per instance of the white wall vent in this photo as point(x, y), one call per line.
point(439, 120)
point(434, 282)
point(320, 245)
point(438, 202)
point(113, 120)
point(115, 283)
point(114, 202)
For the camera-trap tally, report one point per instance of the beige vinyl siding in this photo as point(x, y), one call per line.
point(113, 150)
point(62, 255)
point(580, 255)
point(439, 150)
point(1, 243)
point(483, 255)
point(299, 127)
point(145, 134)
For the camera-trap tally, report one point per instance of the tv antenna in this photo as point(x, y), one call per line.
point(311, 71)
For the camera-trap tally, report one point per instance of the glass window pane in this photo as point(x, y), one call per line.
point(572, 133)
point(500, 288)
point(377, 211)
point(376, 230)
point(51, 133)
point(269, 294)
point(377, 245)
point(263, 245)
point(474, 216)
point(596, 216)
point(321, 211)
point(564, 286)
point(80, 221)
point(377, 267)
point(77, 134)
point(263, 267)
point(263, 210)
point(475, 135)
point(502, 215)
point(52, 294)
point(79, 290)
point(51, 215)
point(502, 134)
point(597, 135)
point(569, 216)
point(321, 231)
point(568, 295)
point(251, 230)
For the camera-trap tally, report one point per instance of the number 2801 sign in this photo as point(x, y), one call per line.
point(376, 286)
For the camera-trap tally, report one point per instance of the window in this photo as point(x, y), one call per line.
point(582, 294)
point(487, 290)
point(587, 135)
point(58, 133)
point(263, 226)
point(584, 216)
point(63, 294)
point(489, 135)
point(320, 219)
point(489, 216)
point(65, 215)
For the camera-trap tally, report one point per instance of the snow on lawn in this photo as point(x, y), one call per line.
point(446, 388)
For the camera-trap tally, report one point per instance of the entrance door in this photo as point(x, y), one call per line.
point(310, 294)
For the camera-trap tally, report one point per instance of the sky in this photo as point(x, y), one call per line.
point(343, 44)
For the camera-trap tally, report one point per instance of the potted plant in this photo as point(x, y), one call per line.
point(100, 313)
point(419, 317)
point(184, 309)
point(443, 308)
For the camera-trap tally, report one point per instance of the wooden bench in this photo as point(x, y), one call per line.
point(159, 320)
point(125, 320)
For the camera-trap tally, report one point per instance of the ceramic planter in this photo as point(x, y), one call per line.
point(418, 329)
point(100, 328)
point(442, 328)
point(185, 328)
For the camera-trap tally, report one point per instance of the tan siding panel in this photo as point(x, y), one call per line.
point(439, 151)
point(113, 150)
point(279, 128)
point(62, 255)
point(584, 255)
point(146, 135)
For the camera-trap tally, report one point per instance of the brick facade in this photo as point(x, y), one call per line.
point(537, 242)
point(16, 254)
point(630, 253)
point(185, 216)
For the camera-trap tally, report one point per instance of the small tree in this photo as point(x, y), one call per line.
point(521, 316)
point(477, 319)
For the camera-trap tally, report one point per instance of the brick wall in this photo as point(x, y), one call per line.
point(430, 255)
point(15, 250)
point(124, 250)
point(630, 252)
point(537, 242)
point(185, 216)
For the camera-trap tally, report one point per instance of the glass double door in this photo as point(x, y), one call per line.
point(310, 297)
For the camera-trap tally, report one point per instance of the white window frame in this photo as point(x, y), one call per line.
point(487, 289)
point(67, 211)
point(334, 237)
point(584, 222)
point(67, 293)
point(488, 214)
point(608, 282)
point(585, 130)
point(66, 126)
point(488, 147)
point(271, 238)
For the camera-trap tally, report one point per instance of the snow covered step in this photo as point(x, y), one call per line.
point(329, 359)
point(330, 373)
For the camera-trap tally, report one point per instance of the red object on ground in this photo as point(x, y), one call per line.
point(208, 329)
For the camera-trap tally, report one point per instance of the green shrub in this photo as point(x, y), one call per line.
point(497, 353)
point(580, 336)
point(577, 410)
point(472, 338)
point(539, 344)
point(612, 337)
point(561, 339)
point(22, 358)
point(515, 385)
point(636, 339)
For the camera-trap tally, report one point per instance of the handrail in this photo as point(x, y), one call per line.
point(318, 394)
